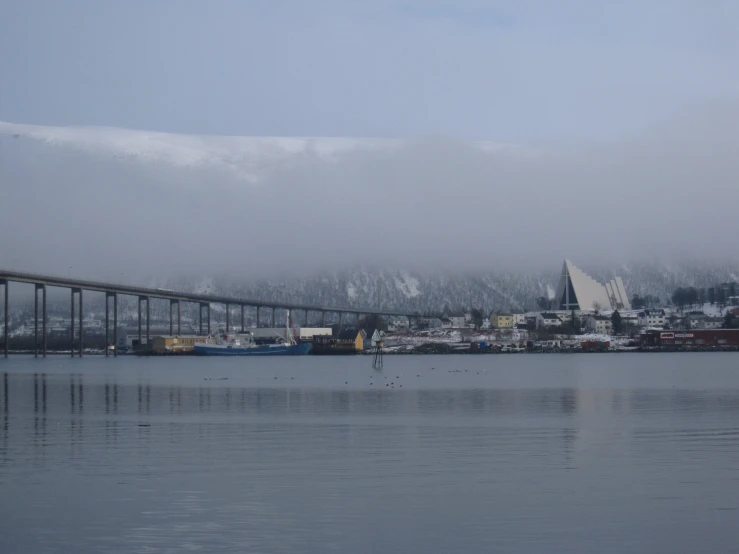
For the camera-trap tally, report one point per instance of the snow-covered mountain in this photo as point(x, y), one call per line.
point(483, 224)
point(398, 289)
point(244, 157)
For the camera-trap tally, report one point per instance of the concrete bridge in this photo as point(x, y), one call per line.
point(113, 290)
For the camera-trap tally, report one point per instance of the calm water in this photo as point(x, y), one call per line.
point(520, 453)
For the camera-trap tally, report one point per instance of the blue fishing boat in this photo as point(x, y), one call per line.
point(243, 344)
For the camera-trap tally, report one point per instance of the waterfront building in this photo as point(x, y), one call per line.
point(578, 291)
point(546, 319)
point(501, 321)
point(598, 324)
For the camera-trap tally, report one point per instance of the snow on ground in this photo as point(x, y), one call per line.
point(408, 285)
point(351, 291)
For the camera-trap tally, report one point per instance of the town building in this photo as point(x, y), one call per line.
point(652, 318)
point(348, 341)
point(547, 319)
point(306, 334)
point(166, 344)
point(699, 320)
point(501, 321)
point(398, 323)
point(578, 291)
point(595, 323)
point(430, 322)
point(457, 321)
point(519, 319)
point(688, 338)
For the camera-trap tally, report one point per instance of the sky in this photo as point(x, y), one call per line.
point(522, 71)
point(620, 126)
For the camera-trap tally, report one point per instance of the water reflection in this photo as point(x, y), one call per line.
point(196, 465)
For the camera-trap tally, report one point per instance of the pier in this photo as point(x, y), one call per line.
point(145, 295)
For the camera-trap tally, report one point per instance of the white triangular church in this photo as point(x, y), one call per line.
point(579, 291)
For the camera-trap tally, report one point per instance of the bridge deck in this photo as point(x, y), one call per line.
point(165, 294)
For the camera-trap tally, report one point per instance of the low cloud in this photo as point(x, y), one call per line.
point(430, 203)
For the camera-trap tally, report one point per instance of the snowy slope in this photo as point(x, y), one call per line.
point(248, 158)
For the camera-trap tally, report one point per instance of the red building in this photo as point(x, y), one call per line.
point(691, 338)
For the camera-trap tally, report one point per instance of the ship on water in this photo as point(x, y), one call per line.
point(243, 344)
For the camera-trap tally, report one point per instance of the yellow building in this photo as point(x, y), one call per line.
point(501, 321)
point(161, 345)
point(349, 341)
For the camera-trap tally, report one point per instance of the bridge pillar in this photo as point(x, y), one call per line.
point(273, 317)
point(228, 318)
point(208, 313)
point(35, 321)
point(179, 318)
point(43, 319)
point(258, 307)
point(115, 324)
point(357, 318)
point(148, 320)
point(140, 298)
point(200, 319)
point(81, 326)
point(5, 329)
point(171, 318)
point(107, 323)
point(242, 318)
point(323, 318)
point(306, 318)
point(341, 319)
point(71, 323)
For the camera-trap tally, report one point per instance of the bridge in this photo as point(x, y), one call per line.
point(113, 290)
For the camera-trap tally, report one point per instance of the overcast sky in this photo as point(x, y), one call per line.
point(625, 117)
point(518, 71)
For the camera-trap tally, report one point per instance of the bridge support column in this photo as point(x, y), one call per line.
point(81, 326)
point(71, 324)
point(115, 324)
point(357, 317)
point(273, 318)
point(35, 321)
point(341, 319)
point(323, 319)
point(200, 320)
point(171, 318)
point(148, 321)
point(107, 323)
point(179, 318)
point(258, 307)
point(43, 319)
point(306, 318)
point(228, 318)
point(242, 318)
point(208, 312)
point(5, 329)
point(140, 298)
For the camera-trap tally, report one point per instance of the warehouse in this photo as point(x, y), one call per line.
point(691, 338)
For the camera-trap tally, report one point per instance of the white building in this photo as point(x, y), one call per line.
point(457, 321)
point(546, 319)
point(652, 318)
point(307, 333)
point(431, 322)
point(578, 291)
point(446, 323)
point(598, 324)
point(519, 319)
point(398, 323)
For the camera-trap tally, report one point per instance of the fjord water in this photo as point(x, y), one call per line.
point(510, 453)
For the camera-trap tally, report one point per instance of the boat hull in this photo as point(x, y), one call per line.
point(203, 349)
